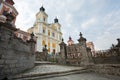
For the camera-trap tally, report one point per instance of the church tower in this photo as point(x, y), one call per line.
point(47, 34)
point(41, 16)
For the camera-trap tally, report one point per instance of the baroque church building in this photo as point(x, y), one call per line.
point(47, 34)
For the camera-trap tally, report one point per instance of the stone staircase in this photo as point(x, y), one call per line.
point(44, 70)
point(43, 63)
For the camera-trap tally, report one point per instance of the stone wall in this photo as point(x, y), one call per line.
point(42, 56)
point(76, 54)
point(110, 56)
point(108, 69)
point(107, 60)
point(39, 56)
point(15, 55)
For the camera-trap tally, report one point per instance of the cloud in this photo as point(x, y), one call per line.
point(26, 15)
point(98, 20)
point(103, 41)
point(111, 33)
point(89, 23)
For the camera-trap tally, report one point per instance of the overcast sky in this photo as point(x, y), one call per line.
point(98, 20)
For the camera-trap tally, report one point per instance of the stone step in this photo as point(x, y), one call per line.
point(47, 70)
point(43, 62)
point(49, 75)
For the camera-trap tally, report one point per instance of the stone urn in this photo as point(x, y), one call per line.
point(10, 17)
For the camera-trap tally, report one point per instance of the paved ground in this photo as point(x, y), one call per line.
point(43, 62)
point(47, 69)
point(84, 76)
point(50, 68)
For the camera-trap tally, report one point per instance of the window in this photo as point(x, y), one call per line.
point(48, 49)
point(44, 18)
point(43, 43)
point(48, 32)
point(53, 34)
point(48, 44)
point(53, 45)
point(43, 30)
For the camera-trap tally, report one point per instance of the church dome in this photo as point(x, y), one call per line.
point(56, 20)
point(42, 9)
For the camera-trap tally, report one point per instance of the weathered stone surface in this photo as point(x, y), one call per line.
point(11, 61)
point(75, 54)
point(2, 61)
point(1, 66)
point(84, 76)
point(48, 69)
point(111, 69)
point(15, 55)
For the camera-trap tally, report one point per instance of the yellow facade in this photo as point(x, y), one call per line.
point(47, 34)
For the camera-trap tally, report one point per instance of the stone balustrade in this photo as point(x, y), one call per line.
point(15, 54)
point(108, 69)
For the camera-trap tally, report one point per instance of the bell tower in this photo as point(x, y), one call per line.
point(41, 16)
point(47, 33)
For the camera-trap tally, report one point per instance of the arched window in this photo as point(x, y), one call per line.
point(48, 44)
point(48, 49)
point(43, 43)
point(44, 29)
point(44, 19)
point(53, 34)
point(48, 32)
point(53, 45)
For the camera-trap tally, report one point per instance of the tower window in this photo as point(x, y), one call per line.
point(43, 30)
point(44, 18)
point(53, 34)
